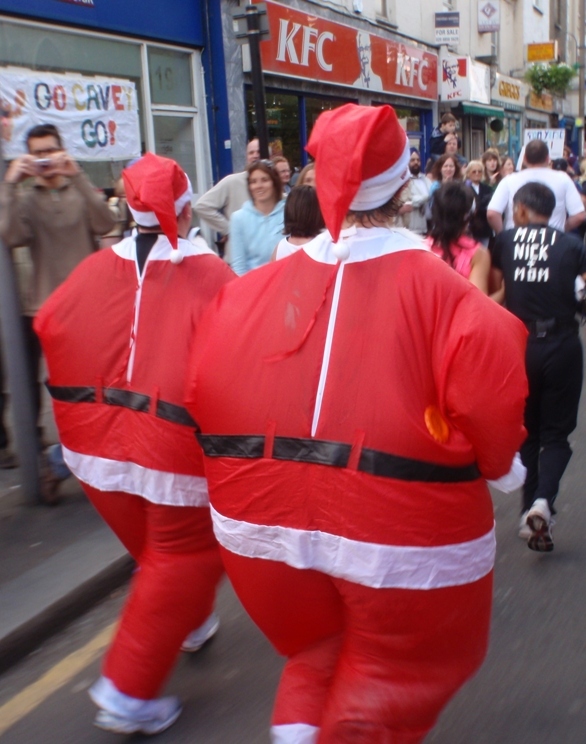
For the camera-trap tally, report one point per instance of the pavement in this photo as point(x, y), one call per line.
point(55, 561)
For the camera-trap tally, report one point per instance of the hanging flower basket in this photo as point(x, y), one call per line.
point(554, 78)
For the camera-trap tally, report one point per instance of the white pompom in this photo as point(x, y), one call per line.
point(176, 256)
point(341, 250)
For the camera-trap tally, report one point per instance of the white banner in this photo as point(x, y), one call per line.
point(554, 139)
point(479, 82)
point(96, 116)
point(489, 16)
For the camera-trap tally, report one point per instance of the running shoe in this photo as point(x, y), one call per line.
point(198, 637)
point(540, 523)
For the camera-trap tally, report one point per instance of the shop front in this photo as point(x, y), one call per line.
point(113, 96)
point(506, 134)
point(465, 91)
point(539, 111)
point(312, 64)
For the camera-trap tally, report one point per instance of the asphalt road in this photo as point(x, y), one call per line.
point(531, 689)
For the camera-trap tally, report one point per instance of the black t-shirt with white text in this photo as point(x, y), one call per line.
point(540, 265)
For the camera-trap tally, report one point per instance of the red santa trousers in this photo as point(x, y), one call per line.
point(364, 665)
point(172, 592)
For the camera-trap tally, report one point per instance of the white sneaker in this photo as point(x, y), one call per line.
point(198, 637)
point(165, 716)
point(540, 523)
point(524, 529)
point(122, 714)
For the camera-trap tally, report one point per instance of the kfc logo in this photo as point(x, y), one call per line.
point(311, 41)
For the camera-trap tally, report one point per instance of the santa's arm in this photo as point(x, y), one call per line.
point(483, 379)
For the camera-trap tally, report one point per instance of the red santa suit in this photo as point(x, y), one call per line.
point(350, 411)
point(117, 342)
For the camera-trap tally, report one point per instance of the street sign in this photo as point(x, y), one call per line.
point(546, 51)
point(489, 16)
point(241, 25)
point(447, 28)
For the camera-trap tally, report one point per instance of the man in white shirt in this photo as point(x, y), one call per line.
point(569, 210)
point(218, 204)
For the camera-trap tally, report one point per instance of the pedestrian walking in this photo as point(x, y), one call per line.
point(539, 265)
point(450, 214)
point(569, 210)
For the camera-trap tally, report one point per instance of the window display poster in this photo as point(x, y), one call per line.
point(96, 116)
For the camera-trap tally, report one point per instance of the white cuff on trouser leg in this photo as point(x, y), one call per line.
point(294, 733)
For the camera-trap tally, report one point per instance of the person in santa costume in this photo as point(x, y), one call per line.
point(352, 399)
point(116, 336)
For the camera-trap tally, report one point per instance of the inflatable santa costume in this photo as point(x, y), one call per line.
point(116, 336)
point(351, 400)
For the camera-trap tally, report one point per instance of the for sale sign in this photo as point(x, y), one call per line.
point(447, 28)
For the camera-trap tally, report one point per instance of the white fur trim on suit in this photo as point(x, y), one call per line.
point(367, 564)
point(160, 251)
point(294, 733)
point(156, 486)
point(376, 191)
point(364, 244)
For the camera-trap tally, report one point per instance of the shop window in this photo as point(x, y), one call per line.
point(381, 8)
point(46, 49)
point(315, 106)
point(174, 138)
point(40, 48)
point(170, 77)
point(282, 124)
point(168, 116)
point(385, 10)
point(409, 119)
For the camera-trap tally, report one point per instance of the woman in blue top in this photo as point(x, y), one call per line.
point(256, 229)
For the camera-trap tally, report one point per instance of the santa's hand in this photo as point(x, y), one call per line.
point(513, 480)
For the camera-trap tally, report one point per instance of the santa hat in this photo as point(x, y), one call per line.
point(157, 189)
point(361, 159)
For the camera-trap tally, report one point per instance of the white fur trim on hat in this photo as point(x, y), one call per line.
point(376, 191)
point(150, 219)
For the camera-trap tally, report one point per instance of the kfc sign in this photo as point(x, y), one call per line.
point(454, 78)
point(464, 80)
point(312, 42)
point(306, 46)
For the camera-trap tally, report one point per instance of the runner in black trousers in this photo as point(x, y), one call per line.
point(539, 265)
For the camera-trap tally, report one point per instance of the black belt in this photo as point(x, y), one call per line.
point(125, 399)
point(550, 327)
point(336, 454)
